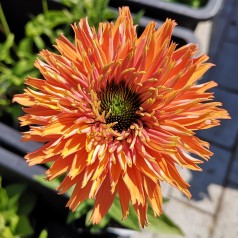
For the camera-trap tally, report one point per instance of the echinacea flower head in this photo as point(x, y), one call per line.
point(118, 113)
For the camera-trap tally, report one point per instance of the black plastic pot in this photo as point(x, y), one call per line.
point(183, 14)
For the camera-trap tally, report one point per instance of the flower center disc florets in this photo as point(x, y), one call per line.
point(121, 102)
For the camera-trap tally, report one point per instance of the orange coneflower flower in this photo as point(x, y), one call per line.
point(118, 112)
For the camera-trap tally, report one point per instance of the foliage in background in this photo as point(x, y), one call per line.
point(17, 59)
point(16, 204)
point(161, 225)
point(192, 3)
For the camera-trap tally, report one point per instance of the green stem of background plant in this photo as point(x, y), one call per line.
point(45, 6)
point(4, 22)
point(5, 26)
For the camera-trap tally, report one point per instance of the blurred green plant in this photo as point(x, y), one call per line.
point(192, 3)
point(17, 59)
point(16, 204)
point(161, 225)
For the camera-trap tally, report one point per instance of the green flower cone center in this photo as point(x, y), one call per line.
point(122, 103)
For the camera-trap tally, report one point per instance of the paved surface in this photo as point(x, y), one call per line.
point(213, 210)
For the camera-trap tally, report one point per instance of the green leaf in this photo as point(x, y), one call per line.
point(14, 192)
point(54, 183)
point(25, 47)
point(98, 227)
point(5, 54)
point(6, 233)
point(11, 224)
point(16, 189)
point(137, 16)
point(27, 203)
point(130, 222)
point(162, 224)
point(89, 213)
point(80, 211)
point(110, 14)
point(23, 67)
point(43, 234)
point(24, 227)
point(39, 42)
point(12, 220)
point(45, 24)
point(3, 199)
point(49, 184)
point(191, 3)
